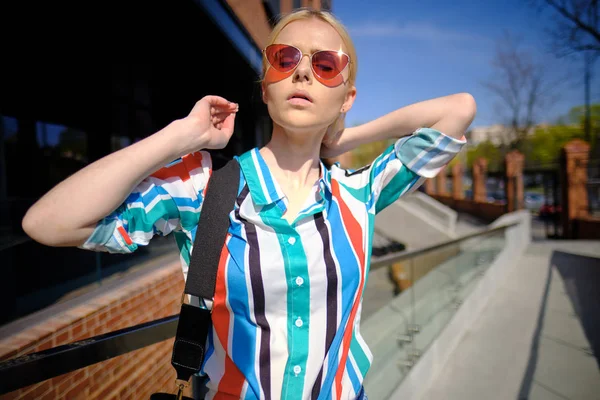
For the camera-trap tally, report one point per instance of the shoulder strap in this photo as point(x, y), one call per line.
point(212, 228)
point(194, 322)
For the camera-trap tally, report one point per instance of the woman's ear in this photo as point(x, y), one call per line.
point(350, 96)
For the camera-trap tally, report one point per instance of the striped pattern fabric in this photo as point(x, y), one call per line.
point(287, 306)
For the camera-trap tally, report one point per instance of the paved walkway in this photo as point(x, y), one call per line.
point(537, 335)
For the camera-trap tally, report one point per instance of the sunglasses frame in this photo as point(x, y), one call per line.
point(310, 57)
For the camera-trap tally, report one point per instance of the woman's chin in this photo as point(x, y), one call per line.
point(304, 130)
point(302, 120)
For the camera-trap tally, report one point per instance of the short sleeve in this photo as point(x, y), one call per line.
point(166, 201)
point(405, 165)
point(427, 151)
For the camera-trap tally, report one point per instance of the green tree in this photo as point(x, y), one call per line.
point(487, 150)
point(544, 146)
point(366, 153)
point(577, 116)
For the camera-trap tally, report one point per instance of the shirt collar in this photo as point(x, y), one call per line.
point(324, 180)
point(263, 187)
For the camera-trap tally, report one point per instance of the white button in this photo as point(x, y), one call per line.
point(292, 240)
point(299, 322)
point(299, 281)
point(297, 370)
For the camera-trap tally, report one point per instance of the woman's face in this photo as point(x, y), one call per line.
point(326, 102)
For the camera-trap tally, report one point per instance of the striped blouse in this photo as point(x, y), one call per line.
point(287, 306)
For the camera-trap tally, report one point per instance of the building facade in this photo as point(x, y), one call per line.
point(498, 134)
point(78, 82)
point(81, 83)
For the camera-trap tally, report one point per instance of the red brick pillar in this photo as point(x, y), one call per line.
point(574, 201)
point(514, 161)
point(479, 178)
point(440, 182)
point(286, 6)
point(457, 182)
point(429, 186)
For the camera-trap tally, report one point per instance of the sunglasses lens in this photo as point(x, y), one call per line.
point(283, 58)
point(328, 64)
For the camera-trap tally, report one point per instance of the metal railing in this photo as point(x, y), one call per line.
point(36, 367)
point(405, 255)
point(593, 188)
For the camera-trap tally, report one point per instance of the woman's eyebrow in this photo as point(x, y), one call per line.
point(312, 49)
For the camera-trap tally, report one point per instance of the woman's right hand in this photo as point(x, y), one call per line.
point(210, 124)
point(99, 188)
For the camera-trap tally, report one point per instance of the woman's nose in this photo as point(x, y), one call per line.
point(303, 70)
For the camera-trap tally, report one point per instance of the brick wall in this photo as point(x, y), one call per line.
point(586, 228)
point(254, 18)
point(487, 211)
point(130, 301)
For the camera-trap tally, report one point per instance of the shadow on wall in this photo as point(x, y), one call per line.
point(581, 276)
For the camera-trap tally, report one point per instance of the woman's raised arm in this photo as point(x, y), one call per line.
point(68, 214)
point(450, 115)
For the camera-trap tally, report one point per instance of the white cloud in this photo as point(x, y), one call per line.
point(424, 31)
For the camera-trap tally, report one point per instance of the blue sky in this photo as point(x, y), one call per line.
point(413, 50)
point(410, 51)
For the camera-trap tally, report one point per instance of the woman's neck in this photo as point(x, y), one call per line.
point(293, 157)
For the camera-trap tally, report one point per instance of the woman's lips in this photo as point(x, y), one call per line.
point(297, 101)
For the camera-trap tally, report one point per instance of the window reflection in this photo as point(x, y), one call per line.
point(34, 157)
point(66, 142)
point(9, 127)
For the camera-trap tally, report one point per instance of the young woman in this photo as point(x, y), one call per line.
point(287, 306)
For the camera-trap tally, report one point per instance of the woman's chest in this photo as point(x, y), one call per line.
point(273, 262)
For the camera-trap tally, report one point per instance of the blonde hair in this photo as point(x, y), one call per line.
point(325, 16)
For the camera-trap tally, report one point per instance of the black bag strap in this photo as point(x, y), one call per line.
point(195, 322)
point(212, 228)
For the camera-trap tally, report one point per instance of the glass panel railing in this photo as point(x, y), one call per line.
point(436, 284)
point(445, 288)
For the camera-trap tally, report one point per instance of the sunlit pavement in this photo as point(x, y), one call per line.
point(536, 337)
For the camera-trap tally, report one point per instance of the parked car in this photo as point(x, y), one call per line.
point(533, 201)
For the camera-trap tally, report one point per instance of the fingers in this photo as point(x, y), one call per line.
point(220, 116)
point(227, 124)
point(222, 120)
point(221, 112)
point(218, 102)
point(215, 104)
